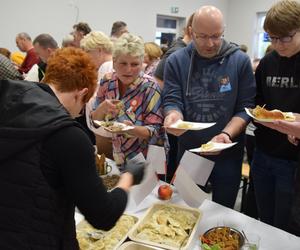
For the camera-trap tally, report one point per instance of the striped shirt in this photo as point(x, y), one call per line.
point(143, 107)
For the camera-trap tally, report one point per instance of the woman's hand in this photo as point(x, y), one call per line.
point(107, 107)
point(138, 131)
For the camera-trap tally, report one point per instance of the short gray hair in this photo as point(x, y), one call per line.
point(95, 40)
point(24, 35)
point(129, 44)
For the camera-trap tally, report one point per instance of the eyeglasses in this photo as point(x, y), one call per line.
point(283, 39)
point(203, 37)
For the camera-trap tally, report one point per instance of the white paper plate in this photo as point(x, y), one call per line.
point(184, 125)
point(123, 126)
point(248, 111)
point(216, 147)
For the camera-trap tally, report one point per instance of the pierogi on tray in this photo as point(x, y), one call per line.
point(90, 238)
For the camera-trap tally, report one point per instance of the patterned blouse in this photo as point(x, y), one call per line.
point(150, 69)
point(143, 107)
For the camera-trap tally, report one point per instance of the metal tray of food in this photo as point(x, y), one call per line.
point(90, 238)
point(167, 226)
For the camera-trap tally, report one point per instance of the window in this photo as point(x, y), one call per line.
point(163, 22)
point(261, 37)
point(167, 28)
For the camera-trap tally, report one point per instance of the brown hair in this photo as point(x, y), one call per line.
point(70, 69)
point(116, 27)
point(5, 52)
point(82, 27)
point(283, 17)
point(188, 24)
point(153, 50)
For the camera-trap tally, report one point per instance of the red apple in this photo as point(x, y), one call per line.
point(165, 192)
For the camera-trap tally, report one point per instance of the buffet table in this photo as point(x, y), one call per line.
point(217, 215)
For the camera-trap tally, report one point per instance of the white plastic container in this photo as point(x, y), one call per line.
point(130, 245)
point(154, 208)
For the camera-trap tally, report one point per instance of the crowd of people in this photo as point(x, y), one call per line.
point(48, 152)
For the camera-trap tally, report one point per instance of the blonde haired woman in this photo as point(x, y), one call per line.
point(152, 57)
point(141, 98)
point(99, 46)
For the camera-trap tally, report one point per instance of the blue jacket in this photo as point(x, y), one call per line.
point(208, 90)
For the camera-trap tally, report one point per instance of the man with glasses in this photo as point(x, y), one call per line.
point(211, 80)
point(278, 87)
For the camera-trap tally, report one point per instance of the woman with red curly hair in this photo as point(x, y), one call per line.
point(47, 162)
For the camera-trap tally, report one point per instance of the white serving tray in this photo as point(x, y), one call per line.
point(81, 225)
point(149, 213)
point(130, 245)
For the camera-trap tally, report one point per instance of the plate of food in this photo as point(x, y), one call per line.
point(219, 238)
point(263, 115)
point(113, 126)
point(212, 147)
point(185, 125)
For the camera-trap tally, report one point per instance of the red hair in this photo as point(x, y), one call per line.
point(70, 69)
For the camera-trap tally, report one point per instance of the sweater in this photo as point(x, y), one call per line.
point(208, 89)
point(278, 87)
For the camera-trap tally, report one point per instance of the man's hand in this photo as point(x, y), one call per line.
point(221, 138)
point(170, 119)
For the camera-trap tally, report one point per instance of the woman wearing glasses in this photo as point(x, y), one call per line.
point(278, 87)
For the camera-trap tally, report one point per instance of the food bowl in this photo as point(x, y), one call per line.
point(225, 237)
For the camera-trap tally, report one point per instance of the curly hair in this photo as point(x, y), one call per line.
point(70, 69)
point(129, 44)
point(82, 27)
point(283, 18)
point(95, 40)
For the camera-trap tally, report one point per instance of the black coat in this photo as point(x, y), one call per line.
point(33, 215)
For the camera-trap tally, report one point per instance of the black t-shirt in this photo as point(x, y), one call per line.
point(68, 163)
point(160, 69)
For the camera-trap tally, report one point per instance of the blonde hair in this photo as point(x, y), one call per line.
point(153, 50)
point(96, 40)
point(129, 44)
point(283, 17)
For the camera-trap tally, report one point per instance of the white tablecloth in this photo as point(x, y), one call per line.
point(217, 215)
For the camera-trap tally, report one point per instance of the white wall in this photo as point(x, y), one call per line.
point(57, 17)
point(241, 20)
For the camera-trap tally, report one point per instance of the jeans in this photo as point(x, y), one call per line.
point(274, 187)
point(226, 177)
